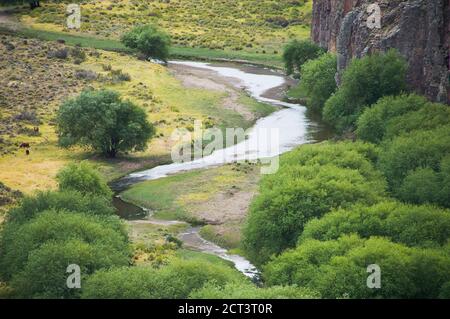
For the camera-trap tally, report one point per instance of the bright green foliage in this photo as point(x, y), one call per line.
point(148, 40)
point(408, 161)
point(373, 122)
point(424, 226)
point(424, 185)
point(82, 178)
point(250, 291)
point(310, 188)
point(318, 80)
point(101, 120)
point(30, 206)
point(296, 53)
point(177, 280)
point(364, 82)
point(18, 241)
point(431, 116)
point(52, 230)
point(339, 268)
point(45, 273)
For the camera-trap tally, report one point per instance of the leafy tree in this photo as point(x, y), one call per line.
point(250, 291)
point(297, 193)
point(364, 82)
point(424, 226)
point(101, 120)
point(148, 40)
point(176, 280)
point(318, 80)
point(82, 178)
point(373, 122)
point(296, 53)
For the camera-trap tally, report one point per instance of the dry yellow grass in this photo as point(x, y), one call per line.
point(167, 102)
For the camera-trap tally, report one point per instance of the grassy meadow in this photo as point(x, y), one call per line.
point(242, 30)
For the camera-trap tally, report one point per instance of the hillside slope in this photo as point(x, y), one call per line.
point(248, 25)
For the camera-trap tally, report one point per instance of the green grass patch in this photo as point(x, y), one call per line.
point(272, 60)
point(227, 240)
point(190, 255)
point(161, 194)
point(258, 108)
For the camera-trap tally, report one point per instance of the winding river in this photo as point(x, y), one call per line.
point(273, 135)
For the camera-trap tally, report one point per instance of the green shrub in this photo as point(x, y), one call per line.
point(431, 116)
point(364, 82)
point(296, 53)
point(318, 80)
point(338, 268)
point(357, 156)
point(148, 40)
point(18, 241)
point(250, 291)
point(373, 122)
point(45, 273)
point(30, 206)
point(177, 280)
point(424, 185)
point(101, 120)
point(82, 178)
point(408, 159)
point(298, 193)
point(424, 226)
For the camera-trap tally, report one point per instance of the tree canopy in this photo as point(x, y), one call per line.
point(148, 40)
point(296, 53)
point(103, 121)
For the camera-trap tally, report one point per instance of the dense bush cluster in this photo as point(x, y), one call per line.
point(249, 291)
point(51, 230)
point(77, 224)
point(311, 182)
point(364, 82)
point(422, 226)
point(417, 166)
point(330, 212)
point(174, 281)
point(338, 268)
point(373, 123)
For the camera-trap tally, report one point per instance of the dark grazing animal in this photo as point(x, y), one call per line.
point(24, 145)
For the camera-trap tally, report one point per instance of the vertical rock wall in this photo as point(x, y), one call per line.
point(419, 29)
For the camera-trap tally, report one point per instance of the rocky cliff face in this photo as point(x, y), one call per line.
point(419, 29)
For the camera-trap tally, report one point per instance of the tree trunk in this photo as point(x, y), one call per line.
point(34, 4)
point(112, 153)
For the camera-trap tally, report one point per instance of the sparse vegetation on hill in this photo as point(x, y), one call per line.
point(251, 25)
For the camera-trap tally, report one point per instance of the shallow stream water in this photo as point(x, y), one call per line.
point(271, 136)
